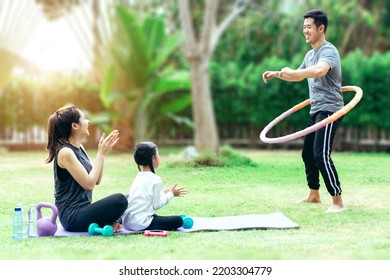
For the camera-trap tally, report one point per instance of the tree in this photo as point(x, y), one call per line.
point(127, 59)
point(198, 52)
point(141, 76)
point(355, 24)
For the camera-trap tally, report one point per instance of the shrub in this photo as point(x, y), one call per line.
point(227, 157)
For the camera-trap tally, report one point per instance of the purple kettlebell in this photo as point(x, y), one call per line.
point(47, 226)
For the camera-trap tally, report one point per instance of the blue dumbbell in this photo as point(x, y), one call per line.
point(187, 221)
point(94, 229)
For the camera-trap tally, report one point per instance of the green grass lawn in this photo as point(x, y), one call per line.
point(275, 184)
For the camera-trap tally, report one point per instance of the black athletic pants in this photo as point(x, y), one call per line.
point(316, 154)
point(103, 212)
point(165, 223)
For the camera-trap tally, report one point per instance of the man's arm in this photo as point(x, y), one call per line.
point(290, 75)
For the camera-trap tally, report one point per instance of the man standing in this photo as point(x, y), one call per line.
point(321, 67)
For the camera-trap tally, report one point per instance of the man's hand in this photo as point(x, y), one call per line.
point(268, 75)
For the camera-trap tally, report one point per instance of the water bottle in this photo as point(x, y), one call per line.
point(17, 224)
point(32, 222)
point(25, 228)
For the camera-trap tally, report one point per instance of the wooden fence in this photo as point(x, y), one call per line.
point(347, 139)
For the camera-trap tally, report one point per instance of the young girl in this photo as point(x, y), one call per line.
point(74, 175)
point(146, 194)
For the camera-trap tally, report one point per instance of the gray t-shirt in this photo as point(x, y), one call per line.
point(325, 92)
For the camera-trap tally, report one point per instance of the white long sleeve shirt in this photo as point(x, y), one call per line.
point(145, 197)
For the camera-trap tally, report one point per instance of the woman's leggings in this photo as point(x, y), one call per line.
point(165, 223)
point(103, 212)
point(316, 154)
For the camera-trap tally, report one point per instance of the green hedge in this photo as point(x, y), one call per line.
point(26, 102)
point(241, 97)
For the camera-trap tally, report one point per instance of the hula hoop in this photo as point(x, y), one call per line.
point(315, 127)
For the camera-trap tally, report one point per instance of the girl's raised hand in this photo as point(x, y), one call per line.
point(178, 191)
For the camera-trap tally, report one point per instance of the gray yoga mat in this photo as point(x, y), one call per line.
point(275, 220)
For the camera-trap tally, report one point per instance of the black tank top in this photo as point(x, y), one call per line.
point(69, 195)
